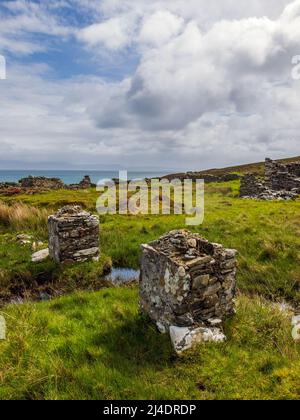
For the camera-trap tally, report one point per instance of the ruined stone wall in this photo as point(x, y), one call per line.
point(281, 182)
point(282, 177)
point(251, 186)
point(208, 178)
point(187, 281)
point(41, 183)
point(73, 235)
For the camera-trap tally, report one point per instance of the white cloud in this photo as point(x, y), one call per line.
point(27, 19)
point(113, 34)
point(212, 87)
point(160, 28)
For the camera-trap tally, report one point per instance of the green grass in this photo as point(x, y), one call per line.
point(266, 234)
point(98, 346)
point(19, 277)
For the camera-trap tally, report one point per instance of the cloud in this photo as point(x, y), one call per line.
point(21, 21)
point(159, 28)
point(113, 34)
point(212, 85)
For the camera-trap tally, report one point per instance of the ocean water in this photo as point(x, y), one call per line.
point(74, 177)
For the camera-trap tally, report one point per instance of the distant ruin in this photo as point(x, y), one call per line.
point(187, 287)
point(36, 184)
point(41, 182)
point(73, 235)
point(281, 182)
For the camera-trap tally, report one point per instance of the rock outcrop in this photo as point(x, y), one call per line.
point(187, 282)
point(73, 235)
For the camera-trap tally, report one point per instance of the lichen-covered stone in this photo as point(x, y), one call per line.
point(187, 281)
point(73, 235)
point(185, 338)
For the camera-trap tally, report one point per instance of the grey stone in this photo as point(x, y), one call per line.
point(40, 255)
point(184, 338)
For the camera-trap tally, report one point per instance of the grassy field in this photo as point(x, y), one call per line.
point(96, 345)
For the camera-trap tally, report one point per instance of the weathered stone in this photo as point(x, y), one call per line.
point(73, 235)
point(201, 281)
point(184, 338)
point(40, 255)
point(175, 291)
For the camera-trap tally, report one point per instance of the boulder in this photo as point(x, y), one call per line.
point(40, 255)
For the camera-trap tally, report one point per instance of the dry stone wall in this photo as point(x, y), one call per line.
point(187, 282)
point(281, 182)
point(73, 235)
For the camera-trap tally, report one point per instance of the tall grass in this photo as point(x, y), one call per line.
point(21, 217)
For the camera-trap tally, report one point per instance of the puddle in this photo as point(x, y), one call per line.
point(117, 277)
point(121, 276)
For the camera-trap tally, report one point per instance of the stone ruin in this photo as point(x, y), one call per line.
point(85, 184)
point(281, 182)
point(187, 287)
point(41, 182)
point(36, 184)
point(73, 235)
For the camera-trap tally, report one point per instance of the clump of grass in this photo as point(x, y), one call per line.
point(20, 216)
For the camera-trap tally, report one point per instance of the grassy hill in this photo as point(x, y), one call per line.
point(248, 168)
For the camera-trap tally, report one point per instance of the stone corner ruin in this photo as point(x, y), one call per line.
point(187, 287)
point(73, 235)
point(280, 182)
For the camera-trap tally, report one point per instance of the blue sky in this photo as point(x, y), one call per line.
point(168, 84)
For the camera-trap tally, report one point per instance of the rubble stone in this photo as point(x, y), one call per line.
point(73, 235)
point(281, 182)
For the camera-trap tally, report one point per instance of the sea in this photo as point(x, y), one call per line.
point(74, 177)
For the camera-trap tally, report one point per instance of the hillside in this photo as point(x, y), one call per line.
point(248, 168)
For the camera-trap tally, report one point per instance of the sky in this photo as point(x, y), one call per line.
point(146, 85)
